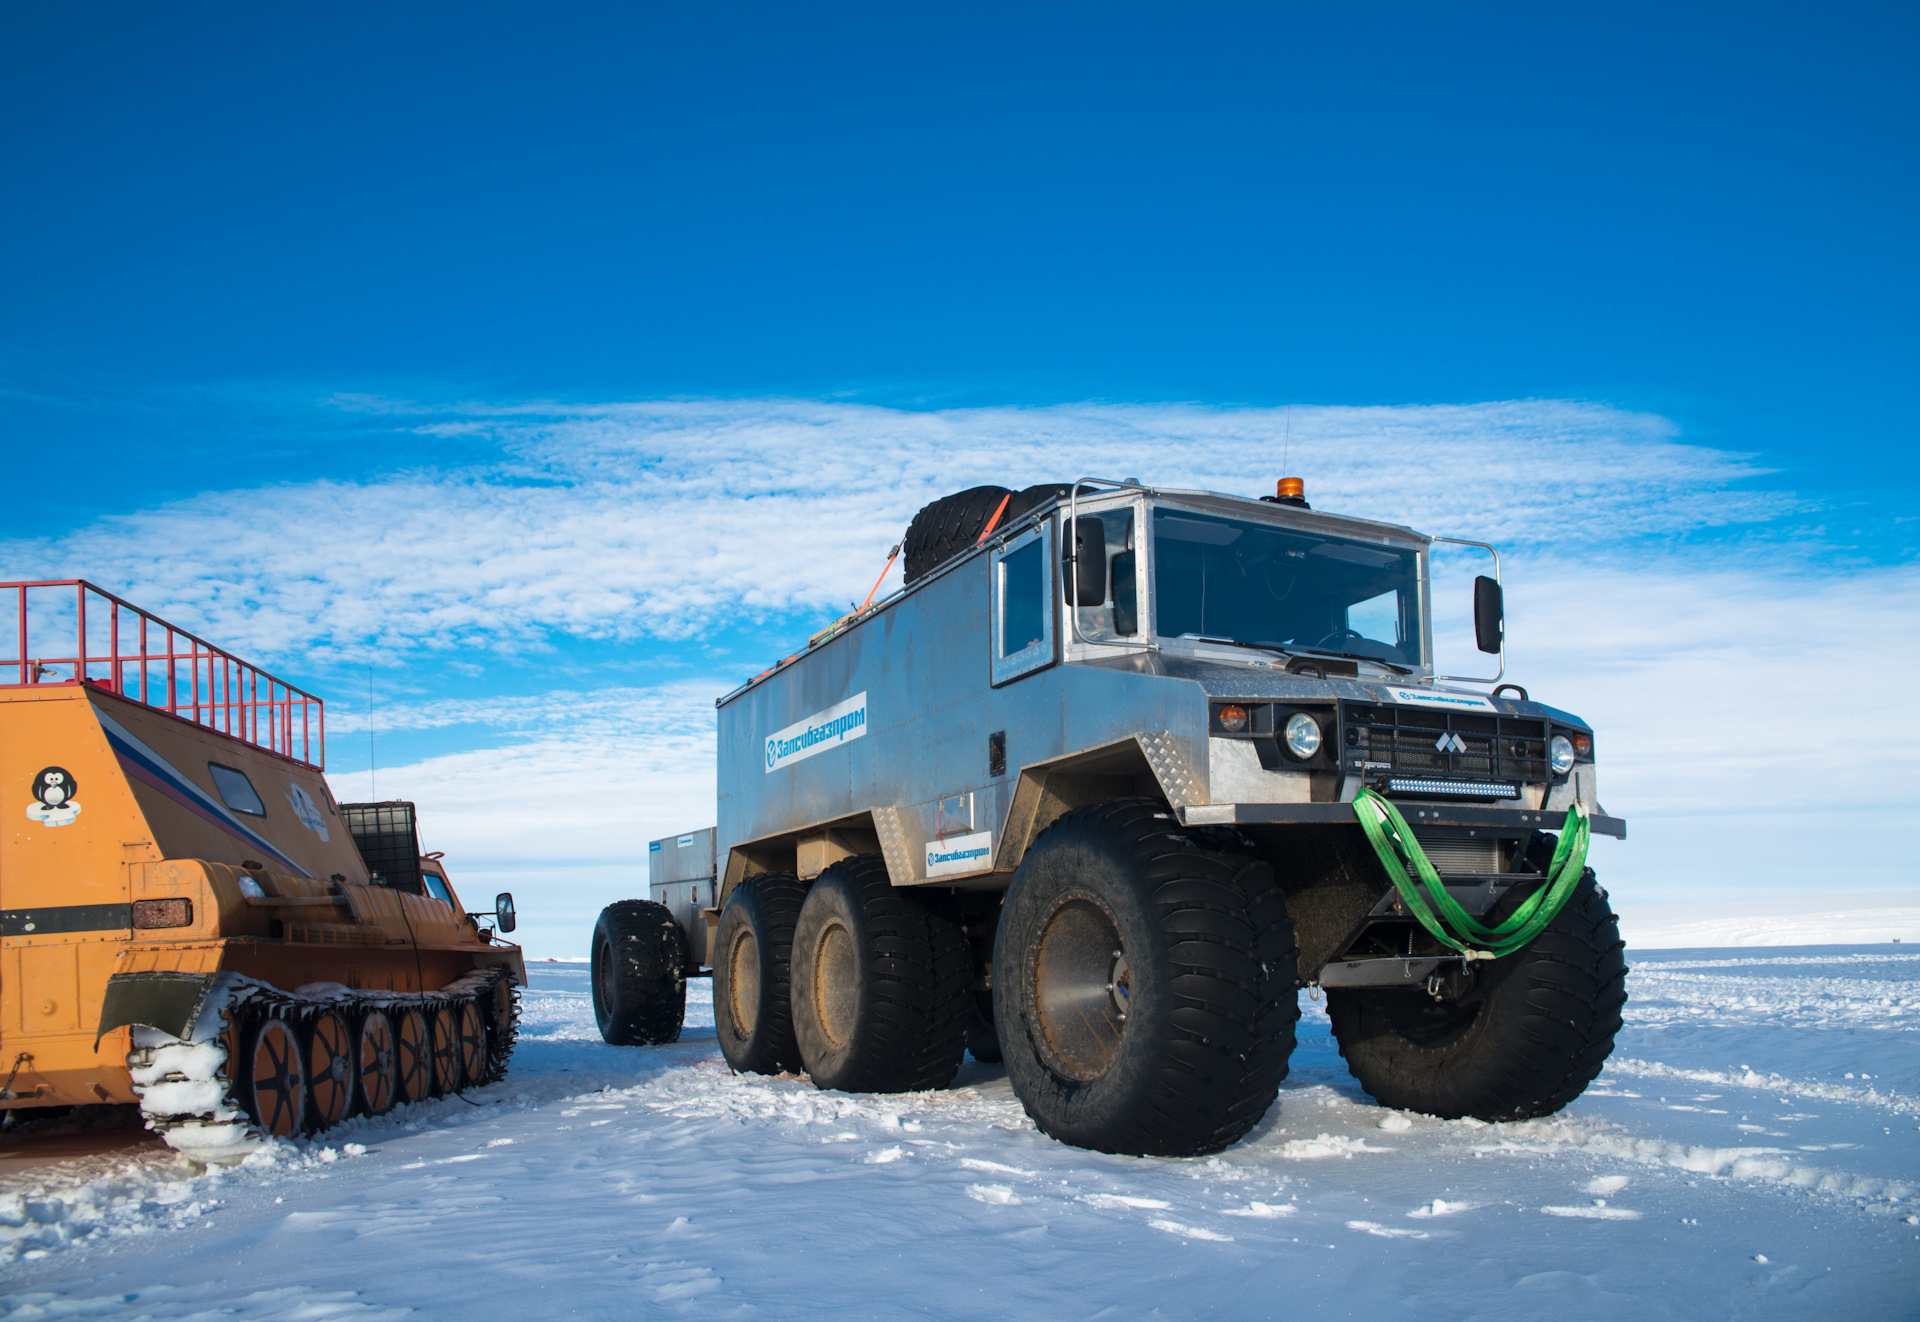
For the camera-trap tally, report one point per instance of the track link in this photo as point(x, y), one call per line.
point(193, 1091)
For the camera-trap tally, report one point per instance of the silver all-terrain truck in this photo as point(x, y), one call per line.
point(1113, 776)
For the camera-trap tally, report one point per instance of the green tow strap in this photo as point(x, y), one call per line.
point(1454, 927)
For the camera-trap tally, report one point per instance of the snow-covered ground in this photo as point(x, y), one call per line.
point(1804, 920)
point(1753, 1150)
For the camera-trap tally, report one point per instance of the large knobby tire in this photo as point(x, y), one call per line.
point(753, 974)
point(1526, 1040)
point(882, 984)
point(1145, 984)
point(639, 974)
point(953, 523)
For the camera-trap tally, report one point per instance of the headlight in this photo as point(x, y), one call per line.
point(1560, 754)
point(1303, 736)
point(1233, 718)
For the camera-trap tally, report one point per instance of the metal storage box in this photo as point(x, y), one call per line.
point(680, 875)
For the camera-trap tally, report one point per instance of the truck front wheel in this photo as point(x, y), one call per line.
point(882, 984)
point(1527, 1038)
point(753, 973)
point(1145, 984)
point(639, 974)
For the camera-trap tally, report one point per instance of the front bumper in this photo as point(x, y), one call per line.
point(1417, 814)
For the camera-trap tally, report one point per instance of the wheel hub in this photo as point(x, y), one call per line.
point(1083, 989)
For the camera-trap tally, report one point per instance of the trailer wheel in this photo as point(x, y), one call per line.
point(882, 984)
point(753, 973)
point(1145, 984)
point(639, 974)
point(1526, 1040)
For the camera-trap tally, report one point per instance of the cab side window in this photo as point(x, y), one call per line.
point(436, 886)
point(236, 791)
point(1022, 581)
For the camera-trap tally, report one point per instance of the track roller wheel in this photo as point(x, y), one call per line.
point(330, 1071)
point(414, 1059)
point(379, 1071)
point(470, 1037)
point(446, 1050)
point(276, 1084)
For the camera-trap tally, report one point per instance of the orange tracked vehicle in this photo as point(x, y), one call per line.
point(189, 920)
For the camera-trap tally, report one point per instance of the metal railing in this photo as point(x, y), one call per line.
point(131, 652)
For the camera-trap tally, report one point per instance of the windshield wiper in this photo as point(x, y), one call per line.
point(1240, 642)
point(1354, 656)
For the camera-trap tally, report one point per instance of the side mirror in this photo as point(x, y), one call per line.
point(503, 911)
point(1489, 615)
point(1089, 561)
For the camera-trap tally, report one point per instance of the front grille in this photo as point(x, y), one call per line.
point(1450, 851)
point(1416, 741)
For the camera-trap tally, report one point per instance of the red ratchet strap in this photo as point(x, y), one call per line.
point(892, 555)
point(995, 520)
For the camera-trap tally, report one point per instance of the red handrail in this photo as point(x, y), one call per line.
point(223, 695)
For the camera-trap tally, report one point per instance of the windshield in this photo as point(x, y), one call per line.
point(1252, 583)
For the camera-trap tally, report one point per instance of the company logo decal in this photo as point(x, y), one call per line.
point(307, 811)
point(817, 733)
point(53, 791)
point(1437, 698)
point(967, 853)
point(1450, 743)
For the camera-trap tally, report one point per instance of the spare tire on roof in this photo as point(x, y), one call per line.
point(953, 523)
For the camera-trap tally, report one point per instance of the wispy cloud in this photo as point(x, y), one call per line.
point(634, 520)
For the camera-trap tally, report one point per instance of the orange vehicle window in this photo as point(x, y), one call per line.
point(436, 886)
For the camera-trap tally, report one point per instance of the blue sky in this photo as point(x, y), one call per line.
point(567, 363)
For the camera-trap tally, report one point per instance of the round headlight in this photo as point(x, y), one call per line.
point(1560, 754)
point(1302, 735)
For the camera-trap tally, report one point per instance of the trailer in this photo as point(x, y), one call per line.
point(1115, 774)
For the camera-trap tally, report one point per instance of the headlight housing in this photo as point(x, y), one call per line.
point(1560, 754)
point(1302, 736)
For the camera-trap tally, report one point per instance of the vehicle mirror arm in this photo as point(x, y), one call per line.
point(1493, 551)
point(1073, 547)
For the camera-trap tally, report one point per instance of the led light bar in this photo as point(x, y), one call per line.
point(1460, 789)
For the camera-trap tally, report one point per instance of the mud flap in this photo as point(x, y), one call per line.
point(168, 1001)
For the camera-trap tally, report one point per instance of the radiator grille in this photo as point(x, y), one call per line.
point(1452, 853)
point(1416, 741)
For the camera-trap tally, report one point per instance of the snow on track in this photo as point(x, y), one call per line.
point(1753, 1151)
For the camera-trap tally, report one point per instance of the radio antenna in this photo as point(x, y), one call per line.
point(371, 794)
point(1286, 447)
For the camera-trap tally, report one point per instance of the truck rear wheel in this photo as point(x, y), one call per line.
point(753, 973)
point(639, 974)
point(1145, 984)
point(882, 984)
point(1527, 1038)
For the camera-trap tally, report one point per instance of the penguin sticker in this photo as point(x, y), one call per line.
point(53, 792)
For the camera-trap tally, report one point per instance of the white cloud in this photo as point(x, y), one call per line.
point(665, 520)
point(560, 805)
